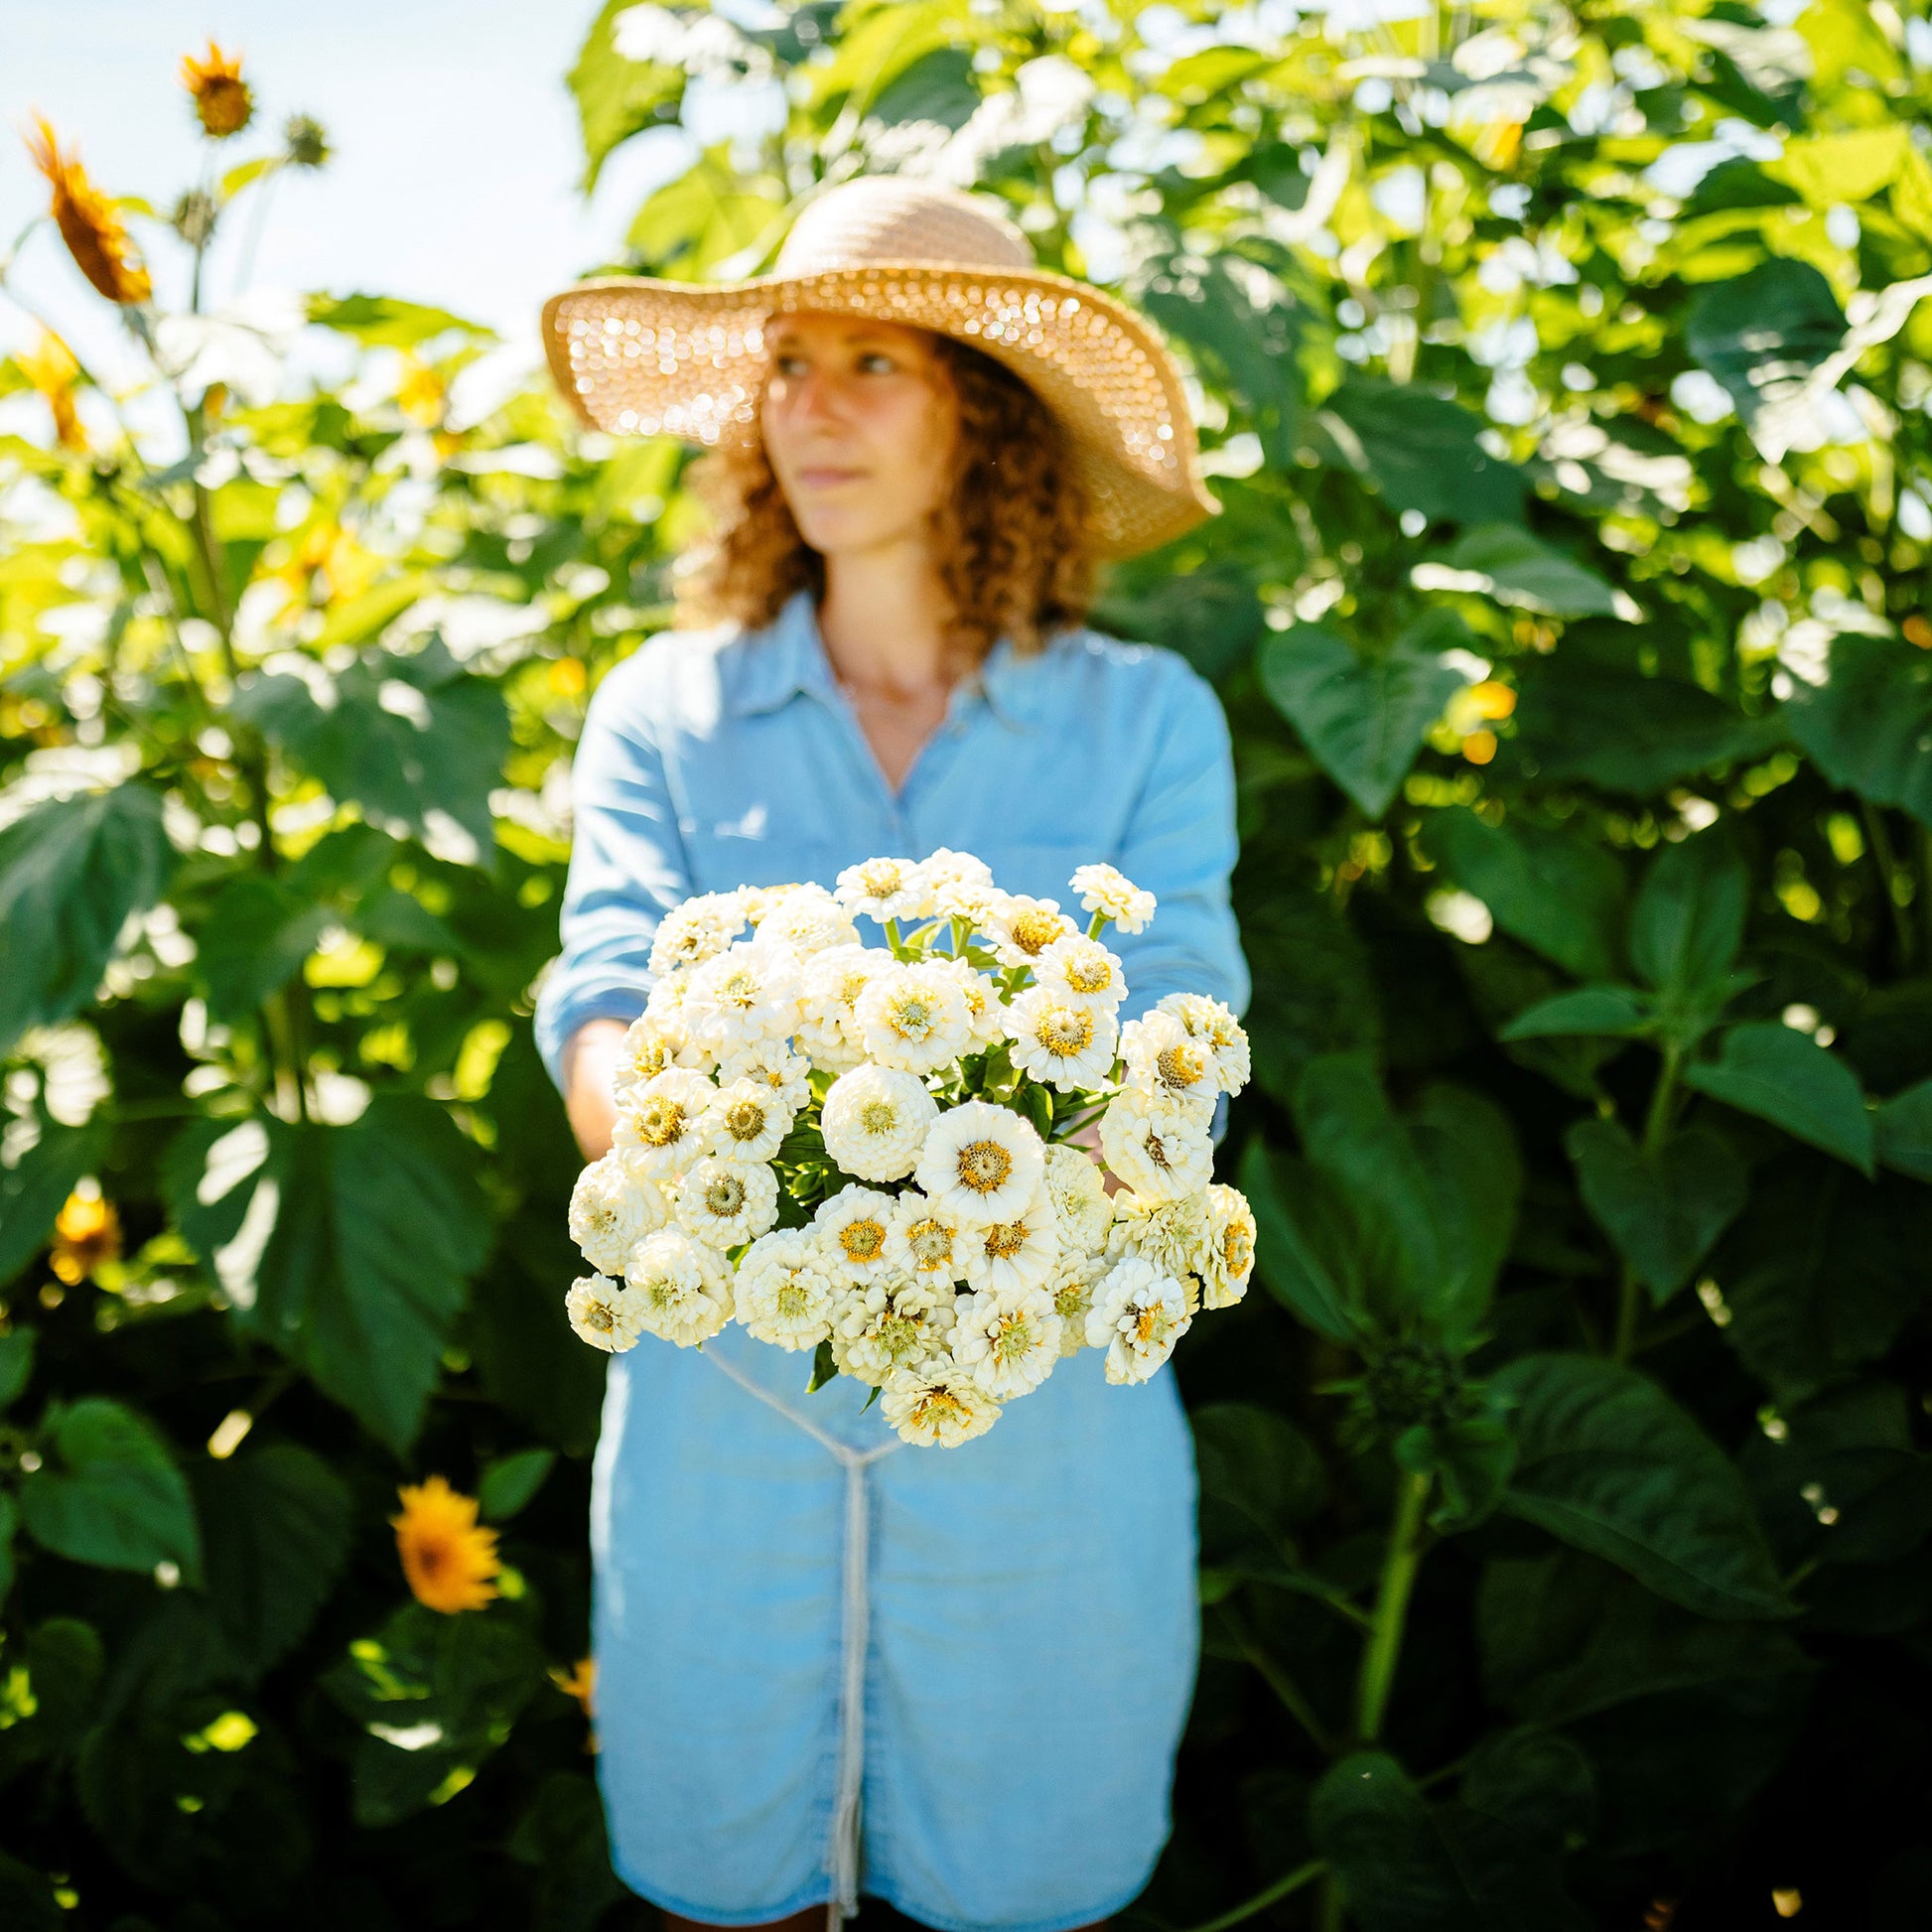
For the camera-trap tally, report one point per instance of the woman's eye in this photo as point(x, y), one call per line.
point(878, 360)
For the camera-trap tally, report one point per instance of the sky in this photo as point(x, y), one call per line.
point(453, 179)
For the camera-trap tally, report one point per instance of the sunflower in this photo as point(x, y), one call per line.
point(447, 1555)
point(88, 221)
point(86, 1232)
point(51, 370)
point(222, 102)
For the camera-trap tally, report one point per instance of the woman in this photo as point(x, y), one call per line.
point(957, 1678)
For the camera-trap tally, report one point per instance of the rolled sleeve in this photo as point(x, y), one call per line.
point(627, 869)
point(1181, 844)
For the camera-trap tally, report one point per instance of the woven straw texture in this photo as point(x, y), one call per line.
point(643, 357)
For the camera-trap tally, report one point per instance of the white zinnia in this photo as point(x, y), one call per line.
point(666, 1122)
point(805, 919)
point(784, 1296)
point(874, 1121)
point(771, 1065)
point(1072, 1286)
point(957, 878)
point(1083, 971)
point(1161, 1151)
point(749, 1123)
point(725, 1204)
point(984, 1011)
point(1110, 892)
point(696, 930)
point(648, 1048)
point(1008, 1342)
point(1083, 1207)
point(1064, 1044)
point(609, 1208)
point(1163, 1061)
point(1230, 1247)
point(981, 1163)
point(915, 1018)
point(828, 1028)
point(851, 1229)
point(1005, 1257)
point(749, 992)
point(1172, 1234)
point(1021, 929)
point(925, 1242)
point(882, 889)
point(1212, 1025)
point(892, 1328)
point(684, 1287)
point(604, 1313)
point(1138, 1315)
point(664, 1008)
point(940, 1408)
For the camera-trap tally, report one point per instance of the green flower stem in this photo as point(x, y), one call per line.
point(1656, 1126)
point(1293, 1700)
point(1384, 1645)
point(1292, 1881)
point(1877, 835)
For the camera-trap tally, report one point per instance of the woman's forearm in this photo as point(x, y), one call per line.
point(589, 1061)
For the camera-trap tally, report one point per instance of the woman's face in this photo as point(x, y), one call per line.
point(859, 423)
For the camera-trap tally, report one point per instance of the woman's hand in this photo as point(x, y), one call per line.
point(589, 1062)
point(1089, 1137)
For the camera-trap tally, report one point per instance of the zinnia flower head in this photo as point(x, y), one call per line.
point(1212, 1025)
point(1165, 1062)
point(613, 1207)
point(684, 1287)
point(1064, 1044)
point(981, 1163)
point(725, 1204)
point(650, 1049)
point(1082, 970)
point(1072, 1287)
point(664, 1124)
point(1083, 1207)
point(222, 102)
point(1114, 896)
point(1005, 1257)
point(926, 1243)
point(699, 928)
point(894, 1327)
point(882, 889)
point(1161, 1151)
point(749, 1122)
point(914, 1017)
point(942, 1408)
point(448, 1556)
point(771, 1065)
point(604, 1313)
point(747, 992)
point(986, 1012)
point(1008, 1342)
point(784, 1296)
point(1138, 1315)
point(1230, 1247)
point(874, 1120)
point(1021, 929)
point(806, 920)
point(1172, 1234)
point(88, 221)
point(852, 1227)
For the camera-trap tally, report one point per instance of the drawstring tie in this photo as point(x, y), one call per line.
point(842, 1855)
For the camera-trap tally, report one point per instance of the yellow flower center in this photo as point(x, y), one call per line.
point(1005, 1239)
point(1089, 975)
point(877, 1117)
point(1237, 1248)
point(910, 1015)
point(1182, 1065)
point(862, 1240)
point(1066, 1031)
point(1013, 1338)
point(931, 1243)
point(984, 1167)
point(599, 1316)
point(792, 1300)
point(745, 1120)
point(935, 1408)
point(1071, 1302)
point(1034, 931)
point(724, 1197)
point(880, 881)
point(740, 990)
point(661, 1122)
point(899, 1336)
point(1155, 1150)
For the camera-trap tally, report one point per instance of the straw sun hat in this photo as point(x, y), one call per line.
point(644, 356)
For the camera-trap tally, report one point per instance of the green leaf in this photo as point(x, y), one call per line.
point(1470, 1460)
point(276, 1522)
point(823, 1368)
point(346, 1247)
point(1421, 451)
point(1849, 167)
point(110, 1493)
point(8, 1523)
point(1688, 920)
point(1468, 1153)
point(1259, 1477)
point(1902, 1131)
point(1615, 1010)
point(1786, 1077)
point(1300, 1252)
point(511, 1480)
point(70, 875)
point(1538, 1780)
point(708, 215)
point(1405, 1866)
point(1551, 889)
point(562, 1839)
point(1363, 717)
point(415, 742)
point(1627, 733)
point(1663, 1211)
point(938, 87)
point(1762, 334)
point(1610, 1464)
point(15, 1363)
point(1250, 350)
point(253, 942)
point(1503, 560)
point(434, 1695)
point(34, 1190)
point(386, 321)
point(616, 98)
point(1868, 726)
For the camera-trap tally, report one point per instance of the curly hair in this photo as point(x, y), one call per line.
point(1010, 534)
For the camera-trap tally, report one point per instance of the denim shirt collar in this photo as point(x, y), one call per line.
point(771, 665)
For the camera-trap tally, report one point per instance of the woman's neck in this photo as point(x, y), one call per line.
point(883, 620)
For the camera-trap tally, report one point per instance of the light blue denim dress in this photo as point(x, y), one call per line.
point(825, 1662)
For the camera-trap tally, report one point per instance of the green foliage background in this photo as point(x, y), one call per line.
point(1565, 1498)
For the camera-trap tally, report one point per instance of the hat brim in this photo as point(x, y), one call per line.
point(639, 356)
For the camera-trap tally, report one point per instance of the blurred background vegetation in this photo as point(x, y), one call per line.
point(1562, 372)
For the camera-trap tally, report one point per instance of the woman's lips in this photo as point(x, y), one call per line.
point(824, 478)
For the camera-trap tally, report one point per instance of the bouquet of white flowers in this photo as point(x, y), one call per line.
point(863, 1150)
